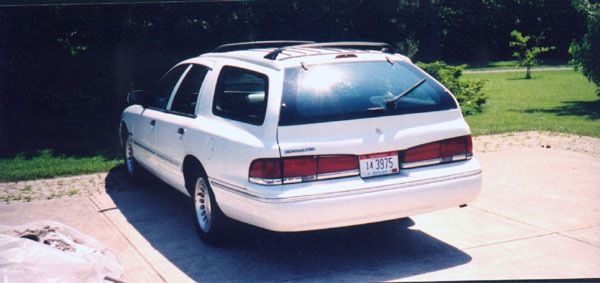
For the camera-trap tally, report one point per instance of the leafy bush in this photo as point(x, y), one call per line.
point(468, 92)
point(586, 53)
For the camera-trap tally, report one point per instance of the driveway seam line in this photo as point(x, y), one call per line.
point(579, 240)
point(512, 240)
point(512, 219)
point(126, 238)
point(577, 229)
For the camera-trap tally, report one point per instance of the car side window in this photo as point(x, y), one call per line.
point(186, 96)
point(162, 92)
point(241, 95)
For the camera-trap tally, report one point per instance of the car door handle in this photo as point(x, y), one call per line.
point(153, 123)
point(181, 131)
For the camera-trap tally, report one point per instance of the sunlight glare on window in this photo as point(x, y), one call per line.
point(320, 80)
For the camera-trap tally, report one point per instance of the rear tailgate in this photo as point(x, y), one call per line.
point(371, 135)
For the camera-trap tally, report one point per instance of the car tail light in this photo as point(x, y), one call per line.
point(266, 171)
point(274, 171)
point(469, 146)
point(299, 169)
point(453, 149)
point(337, 163)
point(423, 152)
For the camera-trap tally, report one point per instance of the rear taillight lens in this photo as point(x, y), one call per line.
point(454, 149)
point(337, 166)
point(469, 146)
point(461, 148)
point(273, 171)
point(423, 152)
point(337, 163)
point(266, 171)
point(299, 169)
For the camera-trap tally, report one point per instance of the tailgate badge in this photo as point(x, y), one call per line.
point(299, 150)
point(378, 131)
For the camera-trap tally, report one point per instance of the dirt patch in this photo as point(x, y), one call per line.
point(61, 187)
point(546, 140)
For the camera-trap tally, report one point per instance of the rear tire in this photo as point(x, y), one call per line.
point(211, 223)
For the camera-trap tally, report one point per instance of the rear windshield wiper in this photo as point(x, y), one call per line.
point(391, 103)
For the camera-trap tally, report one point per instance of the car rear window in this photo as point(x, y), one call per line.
point(355, 90)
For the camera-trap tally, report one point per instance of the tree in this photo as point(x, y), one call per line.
point(525, 52)
point(586, 53)
point(408, 47)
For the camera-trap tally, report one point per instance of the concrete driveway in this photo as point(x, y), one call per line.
point(538, 217)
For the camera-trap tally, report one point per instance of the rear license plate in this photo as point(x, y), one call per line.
point(378, 164)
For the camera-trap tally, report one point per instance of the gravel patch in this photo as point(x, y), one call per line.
point(545, 140)
point(63, 187)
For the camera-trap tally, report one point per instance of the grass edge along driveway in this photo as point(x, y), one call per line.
point(45, 164)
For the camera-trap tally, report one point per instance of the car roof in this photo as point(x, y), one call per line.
point(295, 56)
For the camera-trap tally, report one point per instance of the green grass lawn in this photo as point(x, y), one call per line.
point(557, 101)
point(46, 165)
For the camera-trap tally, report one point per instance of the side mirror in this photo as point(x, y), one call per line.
point(136, 97)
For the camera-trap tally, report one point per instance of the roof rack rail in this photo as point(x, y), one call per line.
point(259, 44)
point(383, 47)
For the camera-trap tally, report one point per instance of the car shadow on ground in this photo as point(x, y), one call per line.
point(374, 252)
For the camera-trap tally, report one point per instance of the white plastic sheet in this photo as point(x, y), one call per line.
point(48, 251)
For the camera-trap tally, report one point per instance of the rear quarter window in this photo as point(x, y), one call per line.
point(241, 95)
point(344, 91)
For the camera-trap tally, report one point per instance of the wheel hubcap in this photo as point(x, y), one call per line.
point(129, 162)
point(202, 204)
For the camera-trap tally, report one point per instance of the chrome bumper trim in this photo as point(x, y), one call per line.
point(262, 181)
point(243, 192)
point(333, 175)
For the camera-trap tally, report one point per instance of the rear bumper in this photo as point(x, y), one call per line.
point(375, 201)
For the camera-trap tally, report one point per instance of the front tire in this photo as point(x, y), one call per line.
point(134, 170)
point(211, 223)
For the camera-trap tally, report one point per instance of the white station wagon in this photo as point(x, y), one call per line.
point(296, 136)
